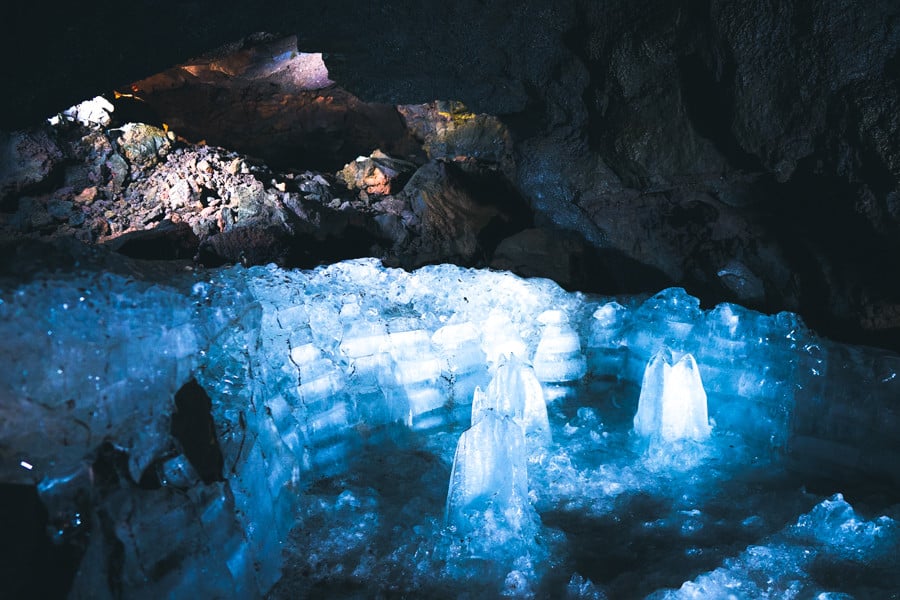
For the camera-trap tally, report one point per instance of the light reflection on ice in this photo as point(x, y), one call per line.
point(339, 397)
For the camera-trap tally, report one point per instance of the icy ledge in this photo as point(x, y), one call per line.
point(300, 366)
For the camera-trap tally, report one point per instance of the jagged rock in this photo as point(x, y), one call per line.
point(93, 113)
point(174, 201)
point(143, 145)
point(376, 175)
point(462, 216)
point(598, 106)
point(263, 97)
point(26, 159)
point(448, 130)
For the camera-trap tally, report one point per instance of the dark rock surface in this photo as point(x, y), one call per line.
point(146, 193)
point(26, 161)
point(747, 151)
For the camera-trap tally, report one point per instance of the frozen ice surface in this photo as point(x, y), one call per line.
point(580, 588)
point(672, 404)
point(307, 370)
point(831, 537)
point(666, 320)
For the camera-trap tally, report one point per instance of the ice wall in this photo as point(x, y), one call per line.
point(301, 365)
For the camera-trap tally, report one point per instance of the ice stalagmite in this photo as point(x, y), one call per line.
point(515, 392)
point(606, 350)
point(672, 404)
point(489, 481)
point(558, 358)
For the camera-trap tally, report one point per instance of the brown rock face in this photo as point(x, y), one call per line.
point(266, 99)
point(376, 175)
point(461, 217)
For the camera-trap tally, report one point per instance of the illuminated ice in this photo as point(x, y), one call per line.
point(414, 368)
point(340, 397)
point(672, 404)
point(488, 491)
point(558, 358)
point(515, 393)
point(501, 338)
point(831, 536)
point(606, 350)
point(464, 364)
point(489, 481)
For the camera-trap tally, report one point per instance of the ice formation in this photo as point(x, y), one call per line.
point(514, 392)
point(672, 404)
point(558, 357)
point(339, 396)
point(489, 480)
point(490, 475)
point(830, 536)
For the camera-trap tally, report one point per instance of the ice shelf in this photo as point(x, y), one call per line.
point(311, 372)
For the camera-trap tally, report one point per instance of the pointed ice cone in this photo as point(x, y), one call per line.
point(672, 404)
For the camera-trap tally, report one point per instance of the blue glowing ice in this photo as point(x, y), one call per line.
point(330, 386)
point(672, 404)
point(515, 392)
point(489, 480)
point(558, 357)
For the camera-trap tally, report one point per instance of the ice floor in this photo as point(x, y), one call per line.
point(615, 521)
point(446, 433)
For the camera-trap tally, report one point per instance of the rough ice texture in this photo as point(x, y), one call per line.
point(831, 536)
point(515, 393)
point(558, 357)
point(302, 366)
point(489, 482)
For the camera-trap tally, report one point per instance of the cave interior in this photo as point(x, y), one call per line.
point(510, 299)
